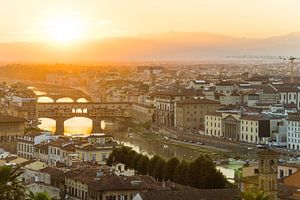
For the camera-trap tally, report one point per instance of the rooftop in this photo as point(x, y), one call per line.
point(197, 101)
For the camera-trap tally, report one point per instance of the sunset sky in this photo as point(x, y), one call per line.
point(64, 20)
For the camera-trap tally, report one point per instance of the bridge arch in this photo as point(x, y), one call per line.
point(82, 100)
point(78, 125)
point(64, 100)
point(69, 125)
point(45, 99)
point(47, 123)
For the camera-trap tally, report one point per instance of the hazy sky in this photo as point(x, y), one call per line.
point(32, 20)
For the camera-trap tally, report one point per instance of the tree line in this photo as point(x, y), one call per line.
point(199, 173)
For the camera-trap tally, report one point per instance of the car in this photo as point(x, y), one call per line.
point(200, 143)
point(260, 146)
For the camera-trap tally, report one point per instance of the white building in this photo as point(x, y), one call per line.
point(289, 95)
point(293, 135)
point(213, 124)
point(25, 146)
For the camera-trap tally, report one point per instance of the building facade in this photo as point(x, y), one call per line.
point(190, 113)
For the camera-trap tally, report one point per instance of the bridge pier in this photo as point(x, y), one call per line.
point(96, 125)
point(59, 126)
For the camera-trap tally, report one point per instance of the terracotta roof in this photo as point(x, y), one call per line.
point(225, 83)
point(69, 147)
point(11, 119)
point(217, 114)
point(204, 194)
point(197, 101)
point(114, 182)
point(254, 117)
point(286, 88)
point(34, 134)
point(293, 180)
point(51, 170)
point(294, 117)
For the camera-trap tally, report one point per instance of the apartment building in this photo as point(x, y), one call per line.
point(26, 143)
point(97, 149)
point(142, 113)
point(165, 104)
point(213, 124)
point(293, 134)
point(190, 113)
point(10, 129)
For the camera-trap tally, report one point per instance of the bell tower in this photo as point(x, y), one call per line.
point(268, 163)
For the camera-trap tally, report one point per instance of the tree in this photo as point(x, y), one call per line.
point(169, 171)
point(159, 167)
point(136, 160)
point(254, 195)
point(142, 165)
point(151, 164)
point(39, 196)
point(202, 173)
point(11, 187)
point(181, 173)
point(130, 159)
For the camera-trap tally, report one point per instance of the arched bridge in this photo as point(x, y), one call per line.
point(94, 111)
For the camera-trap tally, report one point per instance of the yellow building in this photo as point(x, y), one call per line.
point(190, 113)
point(97, 149)
point(10, 129)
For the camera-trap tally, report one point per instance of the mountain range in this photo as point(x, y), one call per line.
point(169, 46)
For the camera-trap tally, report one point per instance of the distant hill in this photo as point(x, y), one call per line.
point(171, 46)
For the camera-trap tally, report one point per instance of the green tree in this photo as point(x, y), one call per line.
point(181, 173)
point(159, 167)
point(169, 171)
point(130, 159)
point(136, 160)
point(11, 187)
point(39, 196)
point(202, 173)
point(151, 164)
point(142, 165)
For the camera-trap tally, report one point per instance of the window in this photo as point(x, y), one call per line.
point(281, 173)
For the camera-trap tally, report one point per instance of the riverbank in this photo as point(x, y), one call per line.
point(216, 153)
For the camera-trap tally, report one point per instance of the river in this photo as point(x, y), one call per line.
point(148, 146)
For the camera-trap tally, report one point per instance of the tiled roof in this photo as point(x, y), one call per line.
point(197, 101)
point(10, 119)
point(293, 180)
point(114, 182)
point(204, 194)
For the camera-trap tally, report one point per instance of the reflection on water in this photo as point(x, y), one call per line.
point(45, 100)
point(82, 100)
point(78, 125)
point(151, 147)
point(65, 100)
point(83, 126)
point(47, 124)
point(73, 126)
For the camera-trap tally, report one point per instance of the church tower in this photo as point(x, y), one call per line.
point(268, 163)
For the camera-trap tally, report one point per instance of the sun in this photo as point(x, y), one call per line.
point(64, 29)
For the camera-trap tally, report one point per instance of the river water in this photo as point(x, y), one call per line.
point(83, 126)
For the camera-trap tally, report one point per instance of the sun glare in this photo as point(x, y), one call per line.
point(64, 29)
